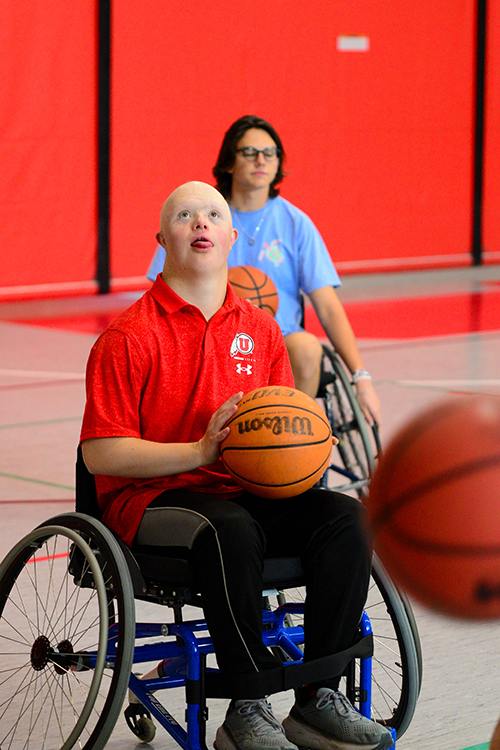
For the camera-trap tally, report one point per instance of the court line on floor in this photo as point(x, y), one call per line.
point(446, 386)
point(448, 383)
point(44, 378)
point(40, 384)
point(47, 557)
point(375, 345)
point(42, 374)
point(40, 422)
point(37, 502)
point(36, 481)
point(483, 746)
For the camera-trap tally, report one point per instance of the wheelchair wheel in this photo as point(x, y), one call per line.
point(354, 460)
point(66, 636)
point(396, 663)
point(397, 659)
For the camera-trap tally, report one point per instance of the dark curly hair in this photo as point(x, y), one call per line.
point(227, 154)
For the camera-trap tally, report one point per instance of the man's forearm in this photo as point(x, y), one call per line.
point(140, 459)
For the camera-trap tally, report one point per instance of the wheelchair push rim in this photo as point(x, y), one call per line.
point(359, 443)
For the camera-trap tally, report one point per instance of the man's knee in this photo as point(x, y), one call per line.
point(305, 352)
point(329, 505)
point(339, 517)
point(235, 532)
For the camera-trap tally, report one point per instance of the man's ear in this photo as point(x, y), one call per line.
point(160, 240)
point(234, 236)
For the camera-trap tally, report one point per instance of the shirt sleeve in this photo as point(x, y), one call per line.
point(157, 263)
point(316, 267)
point(113, 386)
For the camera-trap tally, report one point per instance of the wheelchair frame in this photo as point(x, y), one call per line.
point(58, 670)
point(354, 459)
point(90, 678)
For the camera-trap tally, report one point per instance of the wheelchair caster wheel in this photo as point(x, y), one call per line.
point(139, 722)
point(146, 729)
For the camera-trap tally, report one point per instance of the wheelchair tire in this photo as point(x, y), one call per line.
point(359, 443)
point(397, 659)
point(65, 673)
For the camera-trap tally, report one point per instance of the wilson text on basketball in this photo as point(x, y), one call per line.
point(277, 425)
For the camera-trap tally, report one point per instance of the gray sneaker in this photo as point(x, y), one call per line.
point(251, 725)
point(329, 721)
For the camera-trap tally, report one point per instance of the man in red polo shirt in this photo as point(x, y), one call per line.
point(162, 381)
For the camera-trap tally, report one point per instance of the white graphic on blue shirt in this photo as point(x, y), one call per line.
point(273, 252)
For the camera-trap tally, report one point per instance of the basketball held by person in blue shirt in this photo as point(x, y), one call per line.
point(282, 241)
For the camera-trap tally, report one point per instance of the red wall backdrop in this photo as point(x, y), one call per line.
point(47, 145)
point(491, 206)
point(380, 142)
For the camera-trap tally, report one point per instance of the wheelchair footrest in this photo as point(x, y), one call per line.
point(269, 681)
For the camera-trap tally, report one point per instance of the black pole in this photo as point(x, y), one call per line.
point(103, 143)
point(477, 221)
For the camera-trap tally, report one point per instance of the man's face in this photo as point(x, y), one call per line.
point(196, 229)
point(258, 173)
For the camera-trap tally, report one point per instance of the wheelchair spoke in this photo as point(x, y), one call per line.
point(54, 624)
point(19, 690)
point(24, 709)
point(395, 676)
point(356, 443)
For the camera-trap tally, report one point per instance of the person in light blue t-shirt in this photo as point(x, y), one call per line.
point(280, 239)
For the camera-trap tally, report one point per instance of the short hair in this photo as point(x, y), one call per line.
point(227, 153)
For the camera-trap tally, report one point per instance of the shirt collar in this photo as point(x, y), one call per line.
point(171, 302)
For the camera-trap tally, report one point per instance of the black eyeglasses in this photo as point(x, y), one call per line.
point(250, 154)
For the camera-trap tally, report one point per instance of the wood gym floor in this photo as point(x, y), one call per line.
point(423, 335)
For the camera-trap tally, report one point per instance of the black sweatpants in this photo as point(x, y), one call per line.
point(323, 528)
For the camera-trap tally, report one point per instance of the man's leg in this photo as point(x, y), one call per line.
point(327, 530)
point(228, 562)
point(227, 558)
point(305, 352)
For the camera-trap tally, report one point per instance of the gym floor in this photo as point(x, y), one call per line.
point(423, 335)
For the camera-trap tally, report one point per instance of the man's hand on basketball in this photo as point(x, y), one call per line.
point(209, 444)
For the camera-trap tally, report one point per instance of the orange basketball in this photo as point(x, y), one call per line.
point(434, 507)
point(279, 444)
point(255, 286)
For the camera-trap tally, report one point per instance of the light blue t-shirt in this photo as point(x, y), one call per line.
point(287, 247)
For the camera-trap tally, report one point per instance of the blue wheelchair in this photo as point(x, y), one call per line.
point(69, 638)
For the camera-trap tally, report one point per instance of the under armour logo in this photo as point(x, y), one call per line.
point(243, 368)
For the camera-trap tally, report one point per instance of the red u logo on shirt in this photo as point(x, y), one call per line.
point(243, 344)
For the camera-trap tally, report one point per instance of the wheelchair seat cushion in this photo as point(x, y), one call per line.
point(165, 537)
point(169, 527)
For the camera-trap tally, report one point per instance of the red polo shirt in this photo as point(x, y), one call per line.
point(159, 372)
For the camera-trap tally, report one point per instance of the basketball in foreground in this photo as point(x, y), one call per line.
point(279, 444)
point(255, 286)
point(434, 507)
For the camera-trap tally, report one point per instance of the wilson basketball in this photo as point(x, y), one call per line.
point(279, 444)
point(434, 507)
point(255, 286)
